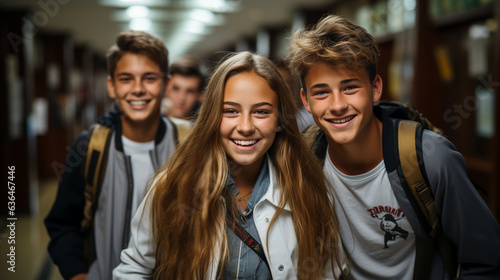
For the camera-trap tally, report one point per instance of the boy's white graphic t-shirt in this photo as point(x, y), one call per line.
point(142, 167)
point(377, 237)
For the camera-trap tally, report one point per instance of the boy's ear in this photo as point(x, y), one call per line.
point(377, 88)
point(111, 88)
point(303, 96)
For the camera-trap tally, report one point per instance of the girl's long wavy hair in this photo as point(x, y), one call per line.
point(190, 200)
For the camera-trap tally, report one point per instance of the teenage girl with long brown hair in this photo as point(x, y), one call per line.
point(244, 172)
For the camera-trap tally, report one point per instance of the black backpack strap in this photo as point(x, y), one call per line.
point(406, 111)
point(423, 258)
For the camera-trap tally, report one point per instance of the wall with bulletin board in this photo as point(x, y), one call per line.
point(458, 84)
point(53, 89)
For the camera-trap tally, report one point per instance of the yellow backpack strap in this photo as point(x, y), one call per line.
point(413, 176)
point(407, 132)
point(94, 170)
point(95, 165)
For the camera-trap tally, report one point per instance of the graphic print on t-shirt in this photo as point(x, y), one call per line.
point(389, 218)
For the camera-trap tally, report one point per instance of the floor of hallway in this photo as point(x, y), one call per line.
point(32, 261)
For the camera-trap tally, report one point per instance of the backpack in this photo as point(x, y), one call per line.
point(411, 124)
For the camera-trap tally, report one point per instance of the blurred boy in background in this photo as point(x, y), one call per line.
point(184, 94)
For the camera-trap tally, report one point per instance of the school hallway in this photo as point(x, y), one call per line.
point(440, 56)
point(32, 261)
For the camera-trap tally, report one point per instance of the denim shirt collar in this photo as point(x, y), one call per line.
point(260, 188)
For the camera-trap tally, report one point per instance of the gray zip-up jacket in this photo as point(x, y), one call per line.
point(466, 219)
point(111, 228)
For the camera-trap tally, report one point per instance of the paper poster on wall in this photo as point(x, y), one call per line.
point(477, 47)
point(485, 111)
point(15, 109)
point(444, 63)
point(41, 116)
point(15, 97)
point(53, 76)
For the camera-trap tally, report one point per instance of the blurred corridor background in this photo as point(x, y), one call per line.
point(442, 56)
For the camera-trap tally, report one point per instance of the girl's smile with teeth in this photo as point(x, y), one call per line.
point(245, 142)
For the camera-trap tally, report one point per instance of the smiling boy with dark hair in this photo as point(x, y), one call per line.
point(140, 140)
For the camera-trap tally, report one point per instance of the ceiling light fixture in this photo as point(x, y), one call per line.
point(143, 24)
point(202, 15)
point(217, 5)
point(195, 27)
point(137, 11)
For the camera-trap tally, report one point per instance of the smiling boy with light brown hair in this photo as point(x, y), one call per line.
point(379, 224)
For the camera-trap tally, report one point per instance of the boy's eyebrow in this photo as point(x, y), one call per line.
point(123, 74)
point(145, 74)
point(319, 86)
point(343, 82)
point(152, 73)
